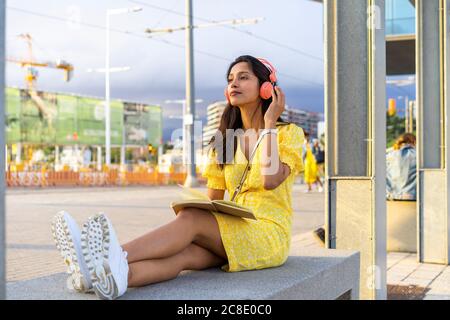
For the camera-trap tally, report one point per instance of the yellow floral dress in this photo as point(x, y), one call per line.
point(265, 242)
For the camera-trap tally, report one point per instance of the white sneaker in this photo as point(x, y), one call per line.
point(320, 189)
point(106, 260)
point(67, 236)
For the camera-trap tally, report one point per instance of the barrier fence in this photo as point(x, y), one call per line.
point(93, 179)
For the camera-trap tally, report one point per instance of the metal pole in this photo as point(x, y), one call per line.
point(123, 147)
point(19, 153)
point(99, 158)
point(2, 158)
point(107, 96)
point(191, 179)
point(185, 141)
point(407, 114)
point(56, 157)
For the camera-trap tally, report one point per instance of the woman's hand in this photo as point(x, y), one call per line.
point(276, 108)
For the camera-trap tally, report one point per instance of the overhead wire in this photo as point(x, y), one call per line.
point(100, 27)
point(249, 33)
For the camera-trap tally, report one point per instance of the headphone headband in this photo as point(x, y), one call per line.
point(270, 67)
point(266, 88)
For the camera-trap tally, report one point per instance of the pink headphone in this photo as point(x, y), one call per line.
point(265, 92)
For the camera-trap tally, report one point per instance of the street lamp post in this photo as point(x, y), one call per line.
point(122, 156)
point(109, 13)
point(191, 178)
point(185, 121)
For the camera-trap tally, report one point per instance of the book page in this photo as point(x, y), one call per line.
point(191, 198)
point(199, 204)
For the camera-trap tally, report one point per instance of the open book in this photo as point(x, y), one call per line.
point(195, 199)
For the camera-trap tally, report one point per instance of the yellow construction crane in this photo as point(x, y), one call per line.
point(31, 75)
point(30, 63)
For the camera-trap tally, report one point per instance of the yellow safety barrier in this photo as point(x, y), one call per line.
point(90, 178)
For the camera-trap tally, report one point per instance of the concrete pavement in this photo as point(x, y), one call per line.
point(134, 211)
point(31, 252)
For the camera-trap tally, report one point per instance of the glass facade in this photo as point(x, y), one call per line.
point(400, 17)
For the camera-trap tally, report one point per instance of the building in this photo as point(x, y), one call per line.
point(313, 123)
point(400, 37)
point(306, 120)
point(299, 117)
point(213, 115)
point(45, 120)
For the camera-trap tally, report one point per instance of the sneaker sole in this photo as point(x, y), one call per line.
point(95, 245)
point(64, 243)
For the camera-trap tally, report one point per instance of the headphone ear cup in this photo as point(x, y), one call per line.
point(225, 92)
point(266, 90)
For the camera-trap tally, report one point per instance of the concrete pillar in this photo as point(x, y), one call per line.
point(432, 130)
point(2, 157)
point(355, 113)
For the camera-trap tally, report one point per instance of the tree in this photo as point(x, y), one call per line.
point(395, 126)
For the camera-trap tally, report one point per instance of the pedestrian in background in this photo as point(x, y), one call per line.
point(319, 154)
point(401, 169)
point(311, 169)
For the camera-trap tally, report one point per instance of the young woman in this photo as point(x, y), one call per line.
point(198, 239)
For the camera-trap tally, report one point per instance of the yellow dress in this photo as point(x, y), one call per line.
point(311, 169)
point(264, 243)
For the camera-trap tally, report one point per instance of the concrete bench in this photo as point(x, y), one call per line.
point(401, 226)
point(309, 274)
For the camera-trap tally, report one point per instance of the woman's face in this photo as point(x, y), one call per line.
point(243, 85)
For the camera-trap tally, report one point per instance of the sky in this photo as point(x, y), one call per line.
point(290, 36)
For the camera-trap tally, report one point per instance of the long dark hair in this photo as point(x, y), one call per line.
point(231, 117)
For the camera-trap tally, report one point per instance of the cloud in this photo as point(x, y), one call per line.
point(292, 32)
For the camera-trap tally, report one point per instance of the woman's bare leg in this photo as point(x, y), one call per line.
point(193, 257)
point(190, 226)
point(319, 181)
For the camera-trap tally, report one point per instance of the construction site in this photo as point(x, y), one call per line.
point(59, 138)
